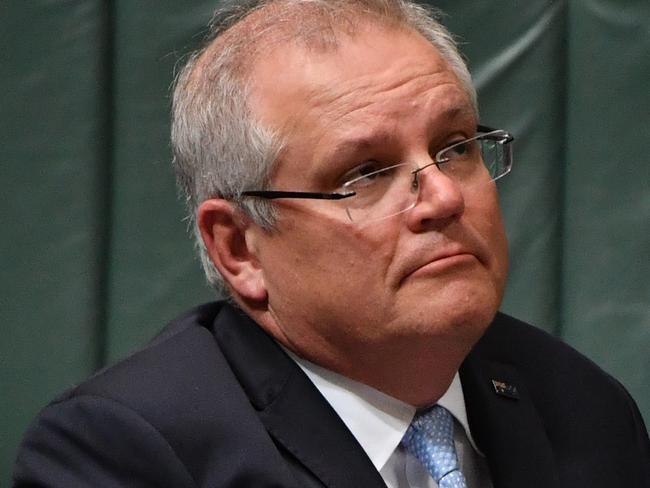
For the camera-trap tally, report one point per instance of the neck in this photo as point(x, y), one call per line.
point(417, 373)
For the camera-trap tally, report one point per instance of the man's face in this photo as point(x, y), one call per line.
point(342, 289)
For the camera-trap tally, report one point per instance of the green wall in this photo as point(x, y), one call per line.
point(95, 257)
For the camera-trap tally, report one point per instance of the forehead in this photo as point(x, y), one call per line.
point(375, 59)
point(371, 86)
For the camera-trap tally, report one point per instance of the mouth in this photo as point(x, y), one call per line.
point(441, 264)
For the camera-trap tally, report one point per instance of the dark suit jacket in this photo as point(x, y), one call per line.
point(213, 401)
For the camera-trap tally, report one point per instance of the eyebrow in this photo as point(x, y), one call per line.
point(360, 142)
point(374, 137)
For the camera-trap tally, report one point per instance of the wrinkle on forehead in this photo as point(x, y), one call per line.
point(361, 94)
point(442, 101)
point(327, 103)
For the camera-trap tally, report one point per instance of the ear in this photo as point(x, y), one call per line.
point(224, 229)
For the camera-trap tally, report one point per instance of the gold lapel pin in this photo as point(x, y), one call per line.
point(505, 389)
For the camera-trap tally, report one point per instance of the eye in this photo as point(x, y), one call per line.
point(367, 169)
point(457, 149)
point(461, 149)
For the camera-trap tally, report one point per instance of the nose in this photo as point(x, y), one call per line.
point(440, 200)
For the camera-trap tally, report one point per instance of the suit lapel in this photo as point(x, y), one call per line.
point(290, 407)
point(503, 419)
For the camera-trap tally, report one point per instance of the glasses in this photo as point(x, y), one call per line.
point(375, 191)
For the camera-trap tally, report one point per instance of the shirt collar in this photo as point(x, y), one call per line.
point(378, 421)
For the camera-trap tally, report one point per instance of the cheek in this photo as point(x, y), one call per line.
point(488, 222)
point(318, 259)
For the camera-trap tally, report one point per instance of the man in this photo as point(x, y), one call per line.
point(343, 196)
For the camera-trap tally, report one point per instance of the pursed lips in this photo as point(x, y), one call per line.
point(449, 251)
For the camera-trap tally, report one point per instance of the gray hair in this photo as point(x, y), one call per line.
point(219, 148)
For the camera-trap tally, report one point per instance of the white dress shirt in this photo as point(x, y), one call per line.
point(379, 422)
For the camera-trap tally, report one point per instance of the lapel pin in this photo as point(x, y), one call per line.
point(505, 389)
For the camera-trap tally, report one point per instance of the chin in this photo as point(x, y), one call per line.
point(472, 323)
point(460, 311)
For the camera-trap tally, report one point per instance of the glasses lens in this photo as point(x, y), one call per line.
point(492, 154)
point(382, 193)
point(496, 153)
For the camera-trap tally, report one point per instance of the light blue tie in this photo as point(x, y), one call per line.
point(430, 438)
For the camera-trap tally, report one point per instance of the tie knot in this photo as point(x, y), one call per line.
point(437, 423)
point(430, 438)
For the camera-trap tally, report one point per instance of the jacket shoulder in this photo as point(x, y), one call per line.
point(174, 365)
point(175, 400)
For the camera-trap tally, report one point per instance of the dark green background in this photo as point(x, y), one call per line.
point(95, 257)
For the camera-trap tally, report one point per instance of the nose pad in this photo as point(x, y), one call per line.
point(415, 183)
point(439, 197)
point(417, 171)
